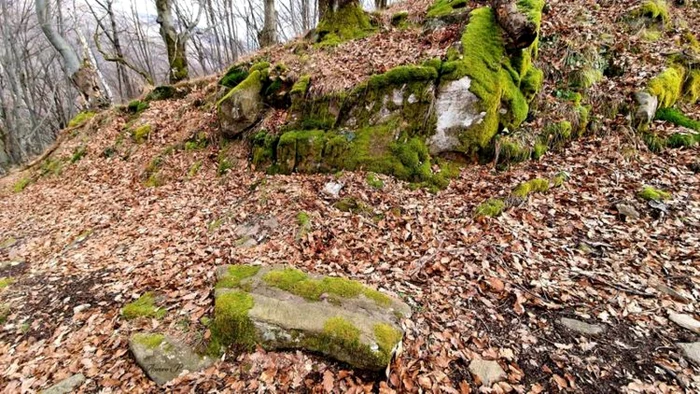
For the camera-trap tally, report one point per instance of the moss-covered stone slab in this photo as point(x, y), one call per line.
point(164, 358)
point(284, 308)
point(242, 106)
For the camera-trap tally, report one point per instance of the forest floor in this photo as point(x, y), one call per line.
point(88, 237)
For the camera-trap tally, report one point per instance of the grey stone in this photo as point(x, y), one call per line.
point(686, 321)
point(488, 371)
point(281, 319)
point(627, 211)
point(66, 386)
point(691, 350)
point(671, 293)
point(581, 327)
point(163, 358)
point(333, 188)
point(457, 110)
point(646, 109)
point(242, 106)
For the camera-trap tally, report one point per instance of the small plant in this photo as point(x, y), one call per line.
point(144, 306)
point(194, 168)
point(21, 184)
point(374, 181)
point(304, 221)
point(650, 193)
point(81, 118)
point(137, 106)
point(491, 208)
point(141, 133)
point(78, 154)
point(4, 282)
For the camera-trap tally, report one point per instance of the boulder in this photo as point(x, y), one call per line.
point(284, 308)
point(66, 386)
point(242, 106)
point(164, 358)
point(646, 109)
point(457, 109)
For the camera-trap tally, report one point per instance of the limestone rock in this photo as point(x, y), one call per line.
point(646, 109)
point(686, 321)
point(66, 386)
point(488, 371)
point(691, 350)
point(163, 358)
point(284, 308)
point(242, 106)
point(581, 327)
point(457, 109)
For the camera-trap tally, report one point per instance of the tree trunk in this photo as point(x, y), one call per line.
point(268, 34)
point(520, 31)
point(380, 4)
point(82, 74)
point(344, 19)
point(174, 44)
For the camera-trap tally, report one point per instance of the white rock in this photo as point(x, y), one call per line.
point(685, 321)
point(333, 188)
point(488, 371)
point(581, 327)
point(691, 350)
point(457, 109)
point(80, 308)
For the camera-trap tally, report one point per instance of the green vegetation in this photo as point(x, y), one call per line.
point(349, 22)
point(236, 274)
point(197, 142)
point(150, 341)
point(652, 194)
point(299, 283)
point(491, 208)
point(399, 19)
point(4, 282)
point(351, 204)
point(304, 222)
point(51, 166)
point(141, 133)
point(374, 181)
point(231, 322)
point(81, 118)
point(21, 184)
point(254, 82)
point(524, 189)
point(4, 313)
point(654, 9)
point(691, 89)
point(143, 307)
point(387, 338)
point(301, 86)
point(78, 154)
point(235, 75)
point(194, 169)
point(137, 106)
point(667, 86)
point(163, 92)
point(441, 8)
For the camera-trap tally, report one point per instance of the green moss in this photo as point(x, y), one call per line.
point(532, 82)
point(555, 134)
point(401, 75)
point(304, 222)
point(253, 82)
point(234, 75)
point(652, 194)
point(511, 151)
point(236, 274)
point(21, 184)
point(4, 282)
point(264, 150)
point(667, 86)
point(197, 142)
point(651, 35)
point(51, 166)
point(351, 204)
point(141, 133)
point(524, 189)
point(301, 86)
point(150, 341)
point(143, 307)
point(194, 168)
point(399, 19)
point(539, 150)
point(137, 106)
point(491, 208)
point(691, 88)
point(373, 181)
point(654, 9)
point(231, 325)
point(78, 154)
point(81, 118)
point(560, 179)
point(678, 140)
point(387, 338)
point(259, 66)
point(677, 117)
point(585, 77)
point(532, 9)
point(298, 283)
point(441, 8)
point(163, 92)
point(346, 23)
point(655, 143)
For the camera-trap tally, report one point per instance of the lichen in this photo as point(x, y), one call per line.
point(524, 189)
point(141, 133)
point(441, 8)
point(237, 274)
point(231, 325)
point(491, 208)
point(650, 193)
point(149, 341)
point(667, 86)
point(299, 283)
point(81, 118)
point(144, 306)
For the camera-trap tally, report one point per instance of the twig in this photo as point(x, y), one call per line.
point(624, 289)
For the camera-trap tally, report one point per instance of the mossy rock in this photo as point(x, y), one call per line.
point(165, 92)
point(242, 106)
point(164, 358)
point(284, 308)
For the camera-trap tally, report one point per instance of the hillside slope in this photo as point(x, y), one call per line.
point(154, 200)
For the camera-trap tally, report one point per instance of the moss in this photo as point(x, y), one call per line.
point(491, 208)
point(677, 117)
point(197, 142)
point(78, 154)
point(143, 307)
point(400, 75)
point(141, 133)
point(150, 341)
point(532, 9)
point(254, 81)
point(81, 118)
point(137, 106)
point(524, 189)
point(399, 19)
point(373, 181)
point(691, 88)
point(264, 150)
point(539, 150)
point(163, 92)
point(304, 222)
point(231, 325)
point(225, 162)
point(654, 9)
point(194, 168)
point(301, 86)
point(652, 194)
point(387, 338)
point(351, 204)
point(678, 140)
point(560, 179)
point(51, 166)
point(346, 23)
point(441, 8)
point(234, 75)
point(531, 83)
point(259, 66)
point(236, 274)
point(555, 134)
point(21, 184)
point(298, 283)
point(4, 282)
point(511, 150)
point(655, 143)
point(4, 313)
point(585, 77)
point(667, 86)
point(651, 35)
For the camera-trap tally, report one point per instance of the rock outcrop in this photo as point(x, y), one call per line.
point(284, 308)
point(164, 358)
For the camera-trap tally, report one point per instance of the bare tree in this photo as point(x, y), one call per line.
point(82, 73)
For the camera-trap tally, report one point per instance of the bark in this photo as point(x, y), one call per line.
point(380, 4)
point(268, 34)
point(82, 74)
point(174, 43)
point(520, 31)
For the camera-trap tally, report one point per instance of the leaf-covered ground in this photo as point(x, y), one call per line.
point(93, 237)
